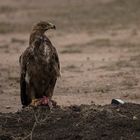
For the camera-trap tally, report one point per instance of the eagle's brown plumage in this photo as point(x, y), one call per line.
point(39, 65)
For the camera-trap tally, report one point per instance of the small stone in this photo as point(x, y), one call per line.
point(58, 119)
point(8, 107)
point(135, 118)
point(92, 102)
point(117, 109)
point(117, 101)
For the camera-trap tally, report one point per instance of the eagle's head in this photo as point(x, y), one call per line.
point(43, 26)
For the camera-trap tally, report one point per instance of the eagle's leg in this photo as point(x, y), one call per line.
point(34, 101)
point(47, 99)
point(52, 86)
point(37, 101)
point(50, 90)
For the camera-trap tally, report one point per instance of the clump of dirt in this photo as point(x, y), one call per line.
point(84, 122)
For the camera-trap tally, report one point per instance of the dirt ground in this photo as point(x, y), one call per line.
point(98, 42)
point(84, 122)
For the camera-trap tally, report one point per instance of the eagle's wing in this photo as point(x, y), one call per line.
point(57, 63)
point(23, 60)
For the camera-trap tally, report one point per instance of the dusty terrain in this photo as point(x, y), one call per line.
point(85, 122)
point(98, 42)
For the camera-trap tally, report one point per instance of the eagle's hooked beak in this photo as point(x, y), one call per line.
point(51, 26)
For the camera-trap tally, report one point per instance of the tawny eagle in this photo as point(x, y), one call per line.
point(39, 65)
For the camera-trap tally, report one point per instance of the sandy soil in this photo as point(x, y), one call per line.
point(95, 68)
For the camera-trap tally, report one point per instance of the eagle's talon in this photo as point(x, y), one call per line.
point(35, 102)
point(44, 101)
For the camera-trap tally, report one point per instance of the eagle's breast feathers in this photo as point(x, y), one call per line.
point(46, 53)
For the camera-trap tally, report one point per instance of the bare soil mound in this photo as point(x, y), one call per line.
point(84, 122)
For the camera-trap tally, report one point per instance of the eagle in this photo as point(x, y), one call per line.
point(39, 67)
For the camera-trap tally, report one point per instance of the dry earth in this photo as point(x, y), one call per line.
point(84, 122)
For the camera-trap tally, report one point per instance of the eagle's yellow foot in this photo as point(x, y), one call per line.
point(44, 101)
point(35, 102)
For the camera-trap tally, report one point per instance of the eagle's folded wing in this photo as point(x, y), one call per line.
point(57, 65)
point(24, 58)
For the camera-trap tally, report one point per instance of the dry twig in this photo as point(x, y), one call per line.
point(40, 117)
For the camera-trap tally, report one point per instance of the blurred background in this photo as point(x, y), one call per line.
point(69, 15)
point(98, 42)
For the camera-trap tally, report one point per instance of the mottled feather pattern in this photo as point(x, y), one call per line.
point(40, 66)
